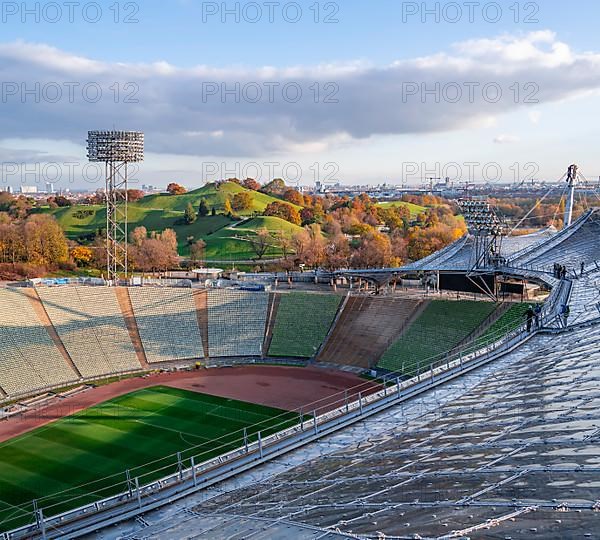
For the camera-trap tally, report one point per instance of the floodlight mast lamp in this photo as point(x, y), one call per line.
point(486, 228)
point(116, 149)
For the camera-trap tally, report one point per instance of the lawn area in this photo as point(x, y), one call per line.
point(140, 432)
point(162, 211)
point(415, 209)
point(302, 323)
point(442, 326)
point(231, 244)
point(215, 197)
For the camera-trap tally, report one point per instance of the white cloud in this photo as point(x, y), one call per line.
point(535, 117)
point(208, 110)
point(506, 139)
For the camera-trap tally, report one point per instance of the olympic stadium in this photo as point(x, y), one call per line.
point(176, 410)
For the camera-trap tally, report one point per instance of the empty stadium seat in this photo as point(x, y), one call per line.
point(91, 326)
point(167, 322)
point(236, 322)
point(29, 360)
point(366, 328)
point(441, 327)
point(302, 323)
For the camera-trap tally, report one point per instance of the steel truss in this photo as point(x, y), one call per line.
point(117, 263)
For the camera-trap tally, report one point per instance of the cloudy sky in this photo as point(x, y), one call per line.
point(350, 91)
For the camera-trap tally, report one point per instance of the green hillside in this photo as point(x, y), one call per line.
point(215, 197)
point(230, 243)
point(415, 209)
point(162, 211)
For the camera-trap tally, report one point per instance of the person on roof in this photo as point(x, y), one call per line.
point(537, 312)
point(529, 315)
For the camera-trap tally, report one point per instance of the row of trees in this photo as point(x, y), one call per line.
point(31, 246)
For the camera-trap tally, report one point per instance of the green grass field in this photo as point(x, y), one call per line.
point(231, 244)
point(415, 209)
point(141, 432)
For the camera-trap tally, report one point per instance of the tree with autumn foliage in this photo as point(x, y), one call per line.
point(175, 189)
point(82, 256)
point(292, 196)
point(158, 251)
point(374, 251)
point(197, 250)
point(250, 183)
point(261, 242)
point(134, 195)
point(45, 241)
point(242, 201)
point(227, 209)
point(309, 246)
point(284, 211)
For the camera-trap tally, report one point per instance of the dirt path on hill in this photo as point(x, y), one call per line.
point(288, 388)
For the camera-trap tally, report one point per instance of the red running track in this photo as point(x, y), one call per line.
point(288, 388)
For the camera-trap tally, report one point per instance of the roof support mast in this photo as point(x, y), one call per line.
point(571, 179)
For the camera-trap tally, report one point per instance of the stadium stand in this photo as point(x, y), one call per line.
point(168, 324)
point(91, 326)
point(29, 360)
point(273, 307)
point(200, 299)
point(132, 327)
point(302, 323)
point(442, 325)
point(236, 322)
point(521, 432)
point(366, 328)
point(510, 320)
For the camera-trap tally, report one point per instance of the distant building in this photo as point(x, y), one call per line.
point(6, 189)
point(50, 188)
point(29, 190)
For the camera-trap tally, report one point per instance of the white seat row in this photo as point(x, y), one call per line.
point(29, 359)
point(236, 322)
point(167, 322)
point(91, 326)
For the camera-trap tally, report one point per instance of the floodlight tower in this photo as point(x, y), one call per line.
point(486, 229)
point(572, 173)
point(116, 149)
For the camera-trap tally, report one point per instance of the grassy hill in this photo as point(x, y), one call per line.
point(215, 197)
point(162, 211)
point(415, 209)
point(230, 243)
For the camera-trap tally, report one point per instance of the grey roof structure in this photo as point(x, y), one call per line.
point(189, 524)
point(571, 246)
point(517, 456)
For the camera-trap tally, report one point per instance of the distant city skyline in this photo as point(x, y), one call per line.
point(348, 92)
